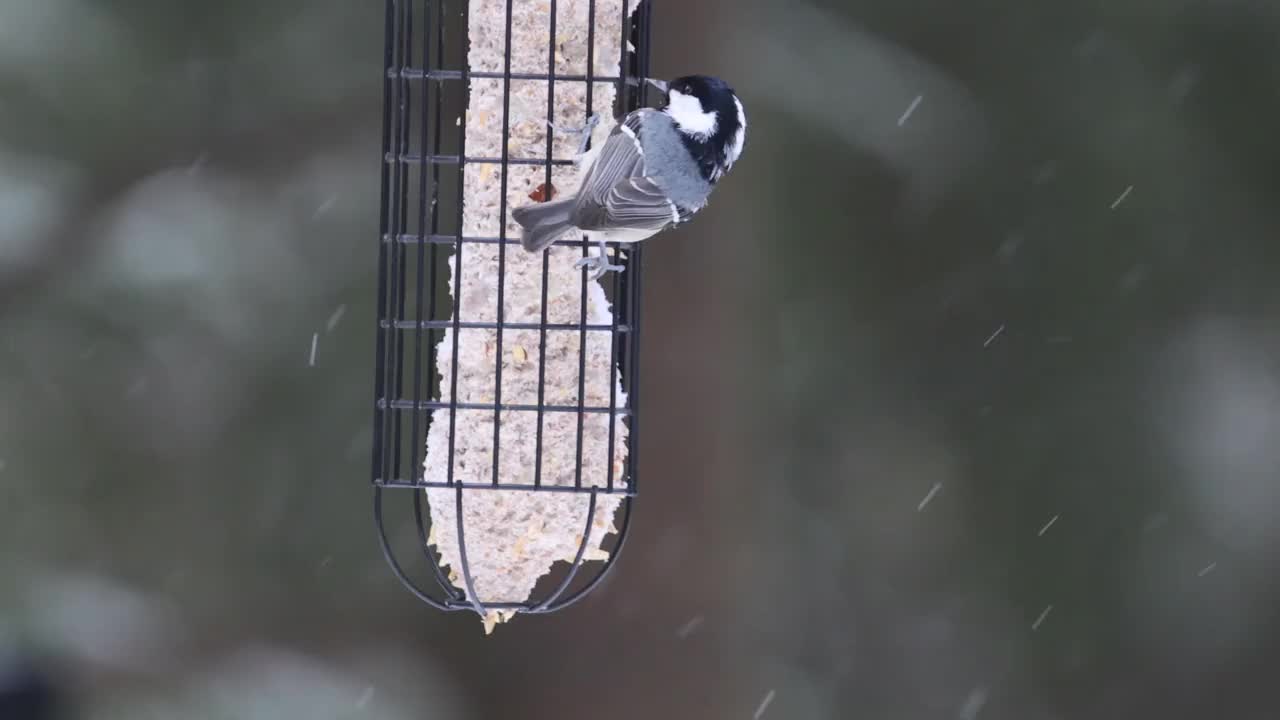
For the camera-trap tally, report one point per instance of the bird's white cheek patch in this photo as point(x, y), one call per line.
point(688, 113)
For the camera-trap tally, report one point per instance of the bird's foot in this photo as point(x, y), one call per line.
point(597, 265)
point(583, 132)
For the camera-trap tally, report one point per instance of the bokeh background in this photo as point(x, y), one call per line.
point(961, 401)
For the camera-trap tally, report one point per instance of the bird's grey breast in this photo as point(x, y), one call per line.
point(670, 164)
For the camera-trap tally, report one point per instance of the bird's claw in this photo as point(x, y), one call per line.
point(585, 131)
point(597, 265)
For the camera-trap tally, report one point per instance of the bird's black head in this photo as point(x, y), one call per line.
point(711, 119)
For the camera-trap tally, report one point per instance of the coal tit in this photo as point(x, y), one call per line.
point(656, 169)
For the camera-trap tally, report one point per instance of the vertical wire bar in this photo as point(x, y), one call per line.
point(390, 555)
point(576, 563)
point(502, 242)
point(393, 218)
point(467, 579)
point(399, 211)
point(457, 314)
point(434, 271)
point(613, 367)
point(582, 372)
point(416, 439)
point(426, 149)
point(617, 276)
point(591, 53)
point(633, 396)
point(582, 314)
point(452, 593)
point(402, 249)
point(457, 256)
point(623, 63)
point(546, 267)
point(384, 229)
point(542, 367)
point(644, 17)
point(634, 271)
point(621, 99)
point(591, 59)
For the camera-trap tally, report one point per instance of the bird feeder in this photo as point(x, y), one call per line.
point(505, 394)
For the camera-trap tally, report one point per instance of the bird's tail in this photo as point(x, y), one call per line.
point(543, 223)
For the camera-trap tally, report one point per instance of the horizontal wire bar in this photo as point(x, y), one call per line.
point(476, 325)
point(530, 608)
point(410, 73)
point(414, 158)
point(468, 605)
point(621, 489)
point(411, 239)
point(442, 405)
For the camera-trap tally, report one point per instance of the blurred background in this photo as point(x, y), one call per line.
point(961, 401)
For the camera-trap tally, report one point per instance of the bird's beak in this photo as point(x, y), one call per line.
point(662, 85)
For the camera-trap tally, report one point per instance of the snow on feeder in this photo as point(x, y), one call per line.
point(506, 380)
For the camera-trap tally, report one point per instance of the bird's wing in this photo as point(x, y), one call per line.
point(617, 193)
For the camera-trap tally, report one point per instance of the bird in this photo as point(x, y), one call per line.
point(656, 169)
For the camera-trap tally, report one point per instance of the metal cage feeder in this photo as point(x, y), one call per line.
point(475, 400)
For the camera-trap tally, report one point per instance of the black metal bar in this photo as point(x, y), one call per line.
point(502, 246)
point(633, 373)
point(420, 286)
point(413, 158)
point(483, 325)
point(399, 211)
point(390, 554)
point(577, 559)
point(582, 317)
point(483, 240)
point(380, 349)
point(542, 367)
point(417, 74)
point(517, 606)
point(608, 564)
point(416, 434)
point(590, 78)
point(546, 256)
point(620, 97)
point(434, 267)
point(582, 338)
point(582, 375)
point(613, 368)
point(635, 275)
point(462, 555)
point(444, 405)
point(457, 271)
point(438, 484)
point(420, 523)
point(420, 518)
